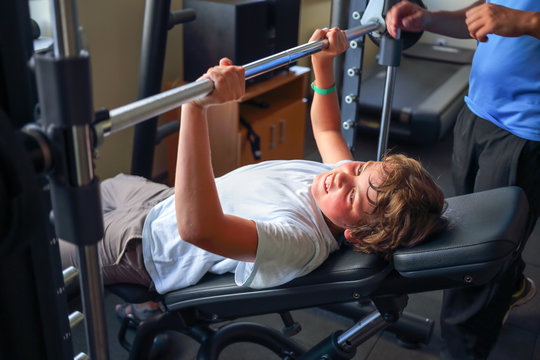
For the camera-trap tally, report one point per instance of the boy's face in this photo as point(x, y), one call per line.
point(344, 194)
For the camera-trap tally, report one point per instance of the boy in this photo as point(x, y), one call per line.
point(268, 222)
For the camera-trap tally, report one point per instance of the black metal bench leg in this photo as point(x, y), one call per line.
point(149, 329)
point(248, 332)
point(342, 345)
point(411, 330)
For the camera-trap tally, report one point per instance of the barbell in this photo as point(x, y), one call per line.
point(152, 106)
point(138, 111)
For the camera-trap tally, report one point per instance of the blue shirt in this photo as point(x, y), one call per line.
point(504, 84)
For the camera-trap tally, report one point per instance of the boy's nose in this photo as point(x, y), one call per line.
point(341, 179)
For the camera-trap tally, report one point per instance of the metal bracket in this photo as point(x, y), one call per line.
point(373, 14)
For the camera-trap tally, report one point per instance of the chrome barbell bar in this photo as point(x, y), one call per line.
point(147, 108)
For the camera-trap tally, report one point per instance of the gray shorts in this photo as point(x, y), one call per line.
point(126, 201)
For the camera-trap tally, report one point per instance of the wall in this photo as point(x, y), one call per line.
point(314, 14)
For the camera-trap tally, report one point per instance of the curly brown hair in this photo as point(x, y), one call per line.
point(408, 208)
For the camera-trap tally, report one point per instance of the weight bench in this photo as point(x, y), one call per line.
point(485, 231)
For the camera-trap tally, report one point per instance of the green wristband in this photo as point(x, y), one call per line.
point(322, 91)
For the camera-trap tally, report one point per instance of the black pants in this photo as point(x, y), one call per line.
point(485, 157)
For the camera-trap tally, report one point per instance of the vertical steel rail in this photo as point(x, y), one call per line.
point(352, 76)
point(67, 45)
point(387, 106)
point(65, 32)
point(158, 20)
point(154, 43)
point(386, 111)
point(339, 17)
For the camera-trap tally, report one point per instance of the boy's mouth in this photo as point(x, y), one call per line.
point(327, 182)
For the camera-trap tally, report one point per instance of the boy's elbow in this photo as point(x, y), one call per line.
point(193, 234)
point(201, 231)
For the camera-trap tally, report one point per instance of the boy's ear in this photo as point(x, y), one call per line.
point(349, 236)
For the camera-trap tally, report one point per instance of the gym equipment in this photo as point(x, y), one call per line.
point(371, 23)
point(427, 98)
point(136, 112)
point(34, 309)
point(158, 20)
point(389, 56)
point(486, 231)
point(248, 30)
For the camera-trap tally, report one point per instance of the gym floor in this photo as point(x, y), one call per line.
point(519, 339)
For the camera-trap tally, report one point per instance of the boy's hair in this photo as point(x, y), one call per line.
point(408, 208)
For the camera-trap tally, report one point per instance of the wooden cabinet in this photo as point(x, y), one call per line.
point(276, 111)
point(281, 132)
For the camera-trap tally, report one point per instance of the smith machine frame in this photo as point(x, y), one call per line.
point(53, 154)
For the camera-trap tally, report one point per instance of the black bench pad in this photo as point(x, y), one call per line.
point(486, 229)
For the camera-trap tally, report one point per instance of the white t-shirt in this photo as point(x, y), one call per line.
point(293, 238)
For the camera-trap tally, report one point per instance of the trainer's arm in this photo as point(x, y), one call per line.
point(490, 18)
point(408, 16)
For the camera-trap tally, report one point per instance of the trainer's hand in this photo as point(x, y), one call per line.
point(407, 16)
point(229, 84)
point(489, 18)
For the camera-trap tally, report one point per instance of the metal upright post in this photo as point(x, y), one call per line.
point(339, 17)
point(158, 20)
point(389, 55)
point(352, 75)
point(65, 95)
point(154, 42)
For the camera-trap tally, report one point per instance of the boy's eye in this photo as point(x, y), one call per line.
point(352, 196)
point(359, 170)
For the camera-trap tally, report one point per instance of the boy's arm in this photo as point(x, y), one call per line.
point(325, 113)
point(200, 218)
